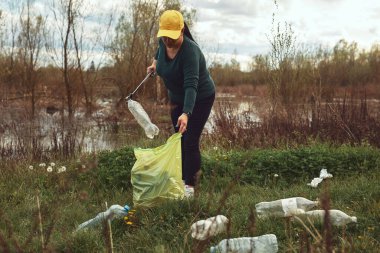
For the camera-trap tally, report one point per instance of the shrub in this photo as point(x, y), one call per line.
point(114, 167)
point(292, 164)
point(255, 166)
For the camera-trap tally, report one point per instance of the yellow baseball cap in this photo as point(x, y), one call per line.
point(171, 24)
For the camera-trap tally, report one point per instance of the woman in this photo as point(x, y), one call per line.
point(182, 66)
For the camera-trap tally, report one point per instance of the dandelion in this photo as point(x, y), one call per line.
point(42, 164)
point(49, 169)
point(31, 167)
point(52, 164)
point(62, 169)
point(127, 221)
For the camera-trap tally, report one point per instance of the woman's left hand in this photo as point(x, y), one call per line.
point(182, 122)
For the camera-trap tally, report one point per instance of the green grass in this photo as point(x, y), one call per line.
point(72, 197)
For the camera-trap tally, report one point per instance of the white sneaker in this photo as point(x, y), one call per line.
point(189, 191)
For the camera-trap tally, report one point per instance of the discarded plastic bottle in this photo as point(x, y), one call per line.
point(317, 180)
point(260, 244)
point(115, 211)
point(143, 119)
point(337, 217)
point(204, 229)
point(285, 207)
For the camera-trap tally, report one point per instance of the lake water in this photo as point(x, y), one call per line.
point(97, 133)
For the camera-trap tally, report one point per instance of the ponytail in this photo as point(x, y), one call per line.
point(187, 33)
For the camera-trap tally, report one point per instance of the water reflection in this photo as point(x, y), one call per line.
point(104, 131)
point(97, 132)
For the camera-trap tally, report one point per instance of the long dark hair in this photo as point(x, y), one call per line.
point(188, 33)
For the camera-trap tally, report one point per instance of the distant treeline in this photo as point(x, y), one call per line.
point(27, 41)
point(344, 64)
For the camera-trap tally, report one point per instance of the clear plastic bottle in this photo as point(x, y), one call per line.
point(142, 118)
point(337, 217)
point(285, 207)
point(114, 211)
point(260, 244)
point(204, 229)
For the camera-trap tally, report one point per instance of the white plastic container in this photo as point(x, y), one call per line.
point(323, 174)
point(285, 207)
point(143, 119)
point(115, 211)
point(204, 229)
point(337, 217)
point(260, 244)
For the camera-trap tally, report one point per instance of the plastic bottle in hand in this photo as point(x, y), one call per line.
point(285, 207)
point(337, 217)
point(260, 244)
point(204, 229)
point(115, 211)
point(142, 118)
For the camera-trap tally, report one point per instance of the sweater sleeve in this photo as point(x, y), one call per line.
point(191, 80)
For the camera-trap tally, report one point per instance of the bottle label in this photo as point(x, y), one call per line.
point(289, 206)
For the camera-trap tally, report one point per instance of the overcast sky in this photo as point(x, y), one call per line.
point(242, 26)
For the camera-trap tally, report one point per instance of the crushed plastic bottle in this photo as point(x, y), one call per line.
point(337, 217)
point(115, 211)
point(315, 182)
point(143, 119)
point(260, 244)
point(204, 229)
point(285, 207)
point(323, 174)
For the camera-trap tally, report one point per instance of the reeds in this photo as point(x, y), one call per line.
point(347, 120)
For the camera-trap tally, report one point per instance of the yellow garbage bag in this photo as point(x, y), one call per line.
point(157, 173)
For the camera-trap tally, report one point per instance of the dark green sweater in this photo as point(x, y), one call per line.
point(186, 76)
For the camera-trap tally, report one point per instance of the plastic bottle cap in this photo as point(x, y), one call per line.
point(127, 208)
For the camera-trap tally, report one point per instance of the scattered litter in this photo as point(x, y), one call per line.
point(143, 119)
point(285, 207)
point(260, 244)
point(115, 211)
point(322, 175)
point(337, 217)
point(315, 182)
point(204, 229)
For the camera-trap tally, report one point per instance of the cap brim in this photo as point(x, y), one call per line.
point(169, 33)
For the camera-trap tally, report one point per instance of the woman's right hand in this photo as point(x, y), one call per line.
point(152, 68)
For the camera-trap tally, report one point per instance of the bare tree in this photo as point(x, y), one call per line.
point(60, 46)
point(135, 43)
point(9, 70)
point(281, 56)
point(30, 42)
point(69, 46)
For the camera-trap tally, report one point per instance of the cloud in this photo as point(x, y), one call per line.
point(224, 25)
point(374, 30)
point(226, 9)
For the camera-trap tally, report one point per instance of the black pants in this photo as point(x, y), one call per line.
point(191, 155)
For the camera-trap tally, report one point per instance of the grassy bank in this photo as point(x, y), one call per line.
point(231, 184)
